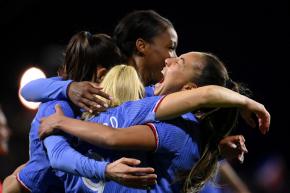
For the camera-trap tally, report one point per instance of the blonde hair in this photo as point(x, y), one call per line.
point(123, 84)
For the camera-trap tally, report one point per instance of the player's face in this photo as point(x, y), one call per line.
point(163, 46)
point(179, 71)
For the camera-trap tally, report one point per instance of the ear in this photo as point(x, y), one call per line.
point(189, 86)
point(141, 46)
point(101, 72)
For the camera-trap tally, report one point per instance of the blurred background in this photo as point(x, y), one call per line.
point(252, 38)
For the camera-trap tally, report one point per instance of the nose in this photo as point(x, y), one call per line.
point(169, 61)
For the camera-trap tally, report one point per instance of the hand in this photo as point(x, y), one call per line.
point(124, 172)
point(48, 125)
point(233, 147)
point(261, 113)
point(83, 94)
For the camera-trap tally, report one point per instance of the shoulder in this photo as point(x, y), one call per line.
point(48, 108)
point(146, 100)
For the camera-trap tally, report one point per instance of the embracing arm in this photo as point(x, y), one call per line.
point(63, 157)
point(45, 89)
point(82, 94)
point(211, 97)
point(123, 170)
point(135, 137)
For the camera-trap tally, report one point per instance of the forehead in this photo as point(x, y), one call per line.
point(167, 37)
point(192, 58)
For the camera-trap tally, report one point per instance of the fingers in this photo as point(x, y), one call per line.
point(85, 107)
point(241, 157)
point(129, 161)
point(97, 91)
point(233, 147)
point(58, 109)
point(264, 122)
point(241, 143)
point(140, 171)
point(94, 103)
point(83, 94)
point(41, 135)
point(137, 177)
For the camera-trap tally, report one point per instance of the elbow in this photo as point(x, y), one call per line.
point(55, 161)
point(55, 164)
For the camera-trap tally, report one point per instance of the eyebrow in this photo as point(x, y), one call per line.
point(183, 60)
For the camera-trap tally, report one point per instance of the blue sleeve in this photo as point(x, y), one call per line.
point(169, 138)
point(141, 111)
point(45, 89)
point(63, 157)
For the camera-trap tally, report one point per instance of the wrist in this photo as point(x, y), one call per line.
point(67, 90)
point(60, 122)
point(107, 172)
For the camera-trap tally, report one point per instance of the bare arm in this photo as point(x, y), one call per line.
point(179, 103)
point(11, 185)
point(135, 137)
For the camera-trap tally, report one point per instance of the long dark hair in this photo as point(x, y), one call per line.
point(145, 24)
point(215, 124)
point(85, 52)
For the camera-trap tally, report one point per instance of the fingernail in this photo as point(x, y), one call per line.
point(110, 97)
point(98, 106)
point(233, 145)
point(106, 105)
point(241, 158)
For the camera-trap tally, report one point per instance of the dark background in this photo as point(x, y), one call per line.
point(252, 38)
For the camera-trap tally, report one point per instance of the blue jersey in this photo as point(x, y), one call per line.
point(149, 91)
point(177, 148)
point(177, 151)
point(38, 175)
point(54, 88)
point(127, 114)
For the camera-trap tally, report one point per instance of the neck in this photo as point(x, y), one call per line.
point(132, 62)
point(138, 63)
